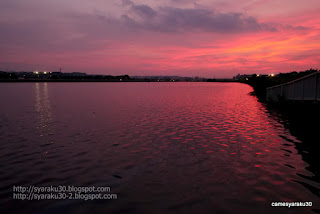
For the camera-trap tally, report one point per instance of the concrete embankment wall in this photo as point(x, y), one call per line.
point(304, 89)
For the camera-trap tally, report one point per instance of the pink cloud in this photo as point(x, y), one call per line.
point(160, 39)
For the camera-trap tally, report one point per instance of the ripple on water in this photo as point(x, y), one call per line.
point(183, 148)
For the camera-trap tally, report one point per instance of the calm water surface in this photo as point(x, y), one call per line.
point(161, 147)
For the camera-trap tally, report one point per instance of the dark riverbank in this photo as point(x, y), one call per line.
point(300, 118)
point(260, 83)
point(44, 76)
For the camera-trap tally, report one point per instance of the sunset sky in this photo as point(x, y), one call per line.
point(208, 38)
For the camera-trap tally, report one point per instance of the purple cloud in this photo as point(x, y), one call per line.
point(143, 11)
point(170, 19)
point(127, 3)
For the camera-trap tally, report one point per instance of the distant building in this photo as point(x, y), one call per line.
point(242, 77)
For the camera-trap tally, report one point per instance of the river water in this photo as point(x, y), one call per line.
point(160, 147)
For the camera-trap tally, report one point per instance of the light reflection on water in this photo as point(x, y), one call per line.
point(163, 147)
point(44, 113)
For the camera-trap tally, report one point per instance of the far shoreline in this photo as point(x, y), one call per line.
point(94, 80)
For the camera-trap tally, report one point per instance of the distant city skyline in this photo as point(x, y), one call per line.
point(205, 38)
